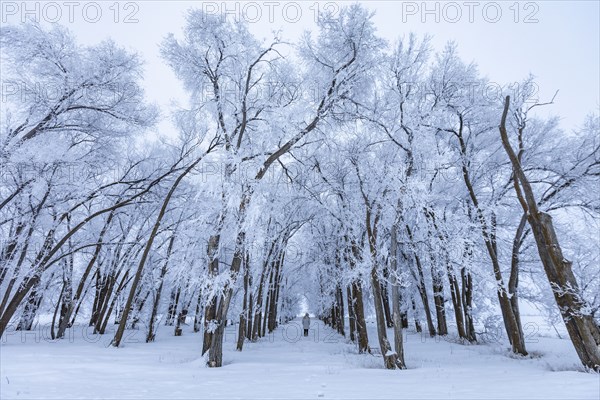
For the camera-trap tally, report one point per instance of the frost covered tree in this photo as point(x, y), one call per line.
point(364, 178)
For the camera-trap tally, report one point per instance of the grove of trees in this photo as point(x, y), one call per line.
point(367, 178)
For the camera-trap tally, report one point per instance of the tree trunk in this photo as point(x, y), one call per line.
point(390, 358)
point(398, 339)
point(583, 330)
point(100, 284)
point(385, 299)
point(273, 294)
point(359, 313)
point(513, 281)
point(438, 300)
point(243, 314)
point(215, 353)
point(211, 307)
point(467, 301)
point(278, 291)
point(340, 311)
point(256, 331)
point(197, 314)
point(351, 315)
point(250, 310)
point(265, 314)
point(33, 302)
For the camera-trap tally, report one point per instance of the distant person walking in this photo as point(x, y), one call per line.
point(306, 324)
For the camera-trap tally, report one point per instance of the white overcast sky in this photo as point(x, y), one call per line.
point(562, 49)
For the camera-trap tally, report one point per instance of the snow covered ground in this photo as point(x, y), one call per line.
point(284, 365)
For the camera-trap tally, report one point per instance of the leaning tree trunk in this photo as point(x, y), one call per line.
point(583, 330)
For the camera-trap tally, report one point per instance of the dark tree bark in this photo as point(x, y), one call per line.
point(340, 311)
point(273, 316)
point(438, 300)
point(197, 314)
point(250, 310)
point(398, 339)
point(256, 331)
point(244, 313)
point(467, 301)
point(211, 307)
point(359, 312)
point(357, 304)
point(385, 299)
point(351, 315)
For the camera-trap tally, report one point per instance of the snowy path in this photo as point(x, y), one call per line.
point(283, 365)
